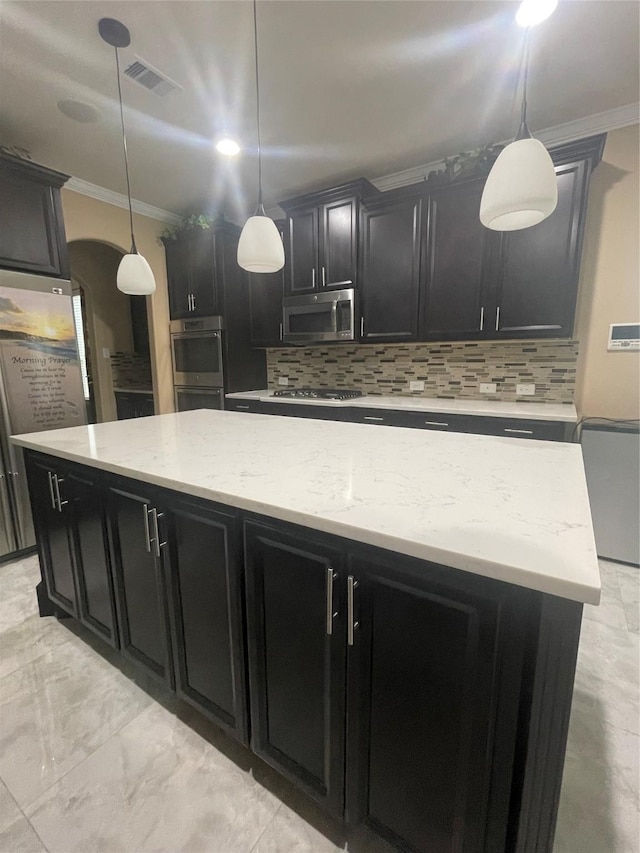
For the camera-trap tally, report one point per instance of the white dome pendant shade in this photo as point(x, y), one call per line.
point(260, 246)
point(521, 189)
point(135, 276)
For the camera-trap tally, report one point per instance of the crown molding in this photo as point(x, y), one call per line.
point(567, 132)
point(77, 185)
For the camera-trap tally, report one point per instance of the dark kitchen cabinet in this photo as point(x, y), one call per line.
point(266, 291)
point(295, 631)
point(434, 669)
point(136, 536)
point(322, 238)
point(133, 404)
point(457, 265)
point(193, 273)
point(391, 268)
point(70, 521)
point(32, 237)
point(536, 280)
point(205, 584)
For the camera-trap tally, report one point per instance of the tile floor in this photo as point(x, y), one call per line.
point(95, 759)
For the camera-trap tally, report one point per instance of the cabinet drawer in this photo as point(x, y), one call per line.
point(440, 421)
point(254, 406)
point(379, 417)
point(518, 428)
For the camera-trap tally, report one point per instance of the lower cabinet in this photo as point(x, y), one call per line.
point(416, 743)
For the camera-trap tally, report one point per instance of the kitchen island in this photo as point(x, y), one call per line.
point(406, 604)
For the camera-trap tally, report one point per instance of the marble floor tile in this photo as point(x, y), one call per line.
point(27, 566)
point(17, 599)
point(20, 837)
point(289, 832)
point(9, 811)
point(607, 682)
point(629, 583)
point(55, 711)
point(28, 640)
point(169, 788)
point(610, 611)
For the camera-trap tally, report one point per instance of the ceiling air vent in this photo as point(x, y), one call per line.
point(150, 78)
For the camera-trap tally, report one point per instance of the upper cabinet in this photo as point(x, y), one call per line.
point(192, 275)
point(322, 235)
point(473, 283)
point(265, 301)
point(32, 237)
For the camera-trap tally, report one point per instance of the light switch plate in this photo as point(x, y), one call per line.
point(283, 380)
point(488, 388)
point(526, 389)
point(105, 352)
point(416, 385)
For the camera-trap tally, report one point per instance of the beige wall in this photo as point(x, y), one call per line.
point(608, 384)
point(89, 219)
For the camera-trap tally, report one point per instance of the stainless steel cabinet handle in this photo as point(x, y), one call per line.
point(280, 331)
point(147, 535)
point(519, 431)
point(56, 483)
point(53, 497)
point(313, 277)
point(324, 277)
point(155, 515)
point(436, 423)
point(238, 406)
point(372, 418)
point(482, 318)
point(498, 318)
point(352, 585)
point(193, 302)
point(362, 327)
point(331, 577)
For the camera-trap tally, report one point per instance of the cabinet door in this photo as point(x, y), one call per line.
point(433, 665)
point(52, 525)
point(266, 291)
point(178, 278)
point(297, 668)
point(338, 243)
point(205, 584)
point(89, 532)
point(455, 304)
point(391, 270)
point(303, 243)
point(140, 593)
point(30, 225)
point(204, 295)
point(539, 267)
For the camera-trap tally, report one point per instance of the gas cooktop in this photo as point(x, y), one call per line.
point(319, 393)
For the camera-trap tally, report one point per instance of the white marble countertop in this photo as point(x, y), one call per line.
point(482, 408)
point(517, 511)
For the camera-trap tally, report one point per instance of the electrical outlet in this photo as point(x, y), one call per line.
point(416, 385)
point(105, 352)
point(283, 380)
point(526, 390)
point(488, 388)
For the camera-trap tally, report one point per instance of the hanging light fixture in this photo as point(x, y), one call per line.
point(134, 273)
point(260, 246)
point(521, 189)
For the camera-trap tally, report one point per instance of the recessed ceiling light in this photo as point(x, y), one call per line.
point(531, 12)
point(228, 147)
point(79, 111)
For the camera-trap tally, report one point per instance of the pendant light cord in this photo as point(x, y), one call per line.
point(523, 130)
point(260, 208)
point(134, 250)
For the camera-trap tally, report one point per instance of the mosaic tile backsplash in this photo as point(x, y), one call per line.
point(449, 370)
point(130, 370)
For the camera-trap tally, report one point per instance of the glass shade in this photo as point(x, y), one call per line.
point(134, 276)
point(521, 189)
point(260, 246)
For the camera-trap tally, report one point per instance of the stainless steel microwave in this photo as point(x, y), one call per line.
point(196, 350)
point(328, 316)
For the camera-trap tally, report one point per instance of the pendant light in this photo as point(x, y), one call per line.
point(521, 189)
point(134, 273)
point(260, 246)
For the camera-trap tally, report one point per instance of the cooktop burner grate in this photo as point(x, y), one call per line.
point(319, 393)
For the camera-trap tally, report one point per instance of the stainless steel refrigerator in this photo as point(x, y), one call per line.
point(40, 385)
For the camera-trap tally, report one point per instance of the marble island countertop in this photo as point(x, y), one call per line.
point(565, 412)
point(516, 511)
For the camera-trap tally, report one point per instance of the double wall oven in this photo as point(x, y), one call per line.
point(196, 352)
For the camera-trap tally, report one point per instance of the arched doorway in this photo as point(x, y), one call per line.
point(112, 327)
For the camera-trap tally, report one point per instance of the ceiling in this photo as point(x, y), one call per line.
point(348, 87)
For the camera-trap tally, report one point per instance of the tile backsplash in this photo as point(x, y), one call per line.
point(130, 370)
point(449, 370)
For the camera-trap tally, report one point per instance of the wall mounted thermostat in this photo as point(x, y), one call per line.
point(624, 337)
